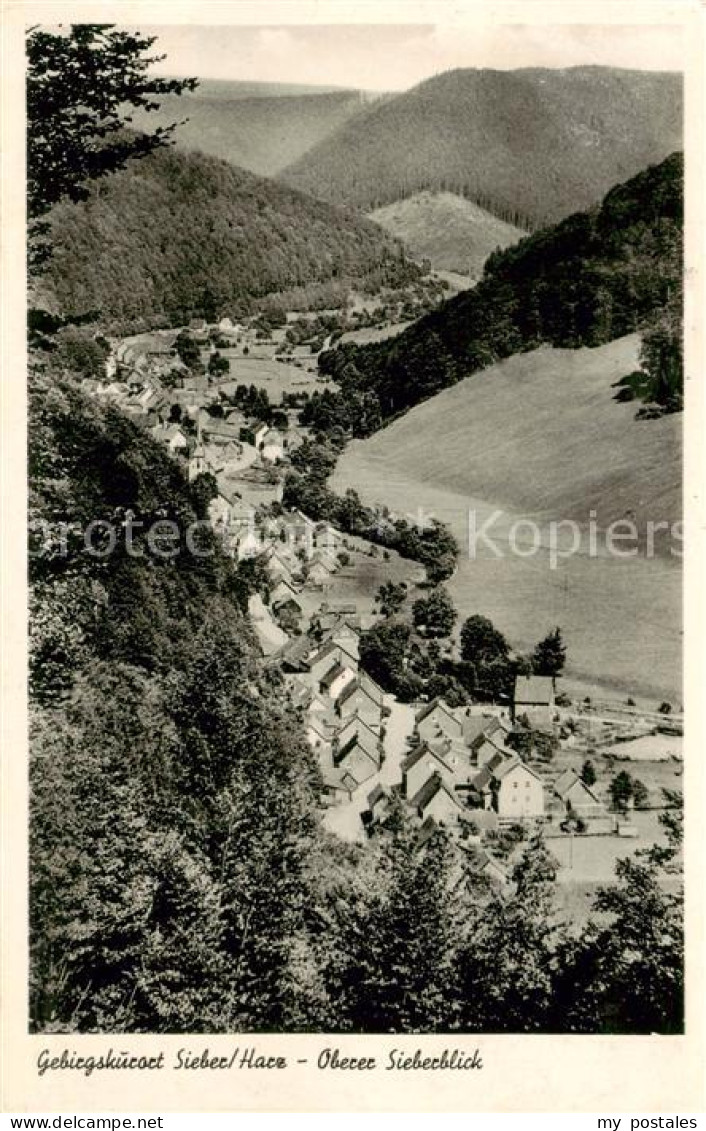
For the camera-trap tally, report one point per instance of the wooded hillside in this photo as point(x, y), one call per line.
point(595, 276)
point(245, 124)
point(530, 146)
point(181, 235)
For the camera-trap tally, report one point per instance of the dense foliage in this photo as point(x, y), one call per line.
point(76, 125)
point(529, 145)
point(181, 235)
point(593, 277)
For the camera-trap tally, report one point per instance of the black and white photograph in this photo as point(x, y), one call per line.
point(355, 428)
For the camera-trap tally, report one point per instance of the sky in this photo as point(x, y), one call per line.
point(389, 57)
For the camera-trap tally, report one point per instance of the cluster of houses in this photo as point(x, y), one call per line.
point(462, 773)
point(298, 553)
point(459, 770)
point(146, 379)
point(343, 708)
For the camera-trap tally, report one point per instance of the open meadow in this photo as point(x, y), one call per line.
point(275, 377)
point(540, 436)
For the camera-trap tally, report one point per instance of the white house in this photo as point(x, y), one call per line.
point(219, 511)
point(272, 446)
point(172, 436)
point(335, 679)
point(518, 791)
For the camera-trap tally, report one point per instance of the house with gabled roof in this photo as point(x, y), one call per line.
point(518, 791)
point(475, 727)
point(359, 757)
point(328, 560)
point(285, 594)
point(318, 576)
point(338, 785)
point(199, 462)
point(295, 654)
point(325, 655)
point(436, 800)
point(487, 750)
point(333, 681)
point(277, 567)
point(436, 720)
point(419, 765)
point(216, 430)
point(576, 797)
point(327, 539)
point(172, 436)
point(361, 696)
point(533, 699)
point(354, 724)
point(349, 643)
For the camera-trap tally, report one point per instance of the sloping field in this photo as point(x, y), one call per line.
point(451, 232)
point(539, 436)
point(541, 433)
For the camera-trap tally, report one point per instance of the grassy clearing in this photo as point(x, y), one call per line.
point(276, 377)
point(540, 435)
point(453, 233)
point(374, 333)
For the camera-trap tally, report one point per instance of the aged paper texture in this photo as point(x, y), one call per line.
point(353, 648)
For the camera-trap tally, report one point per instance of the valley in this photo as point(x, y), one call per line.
point(354, 532)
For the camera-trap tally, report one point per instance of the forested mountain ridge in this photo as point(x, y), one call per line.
point(596, 276)
point(181, 234)
point(253, 126)
point(531, 146)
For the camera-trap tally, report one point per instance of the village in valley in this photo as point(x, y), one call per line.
point(493, 773)
point(354, 500)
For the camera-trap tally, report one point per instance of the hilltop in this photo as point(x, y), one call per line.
point(262, 127)
point(182, 234)
point(451, 232)
point(530, 146)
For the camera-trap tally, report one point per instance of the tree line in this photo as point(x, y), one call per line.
point(593, 277)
